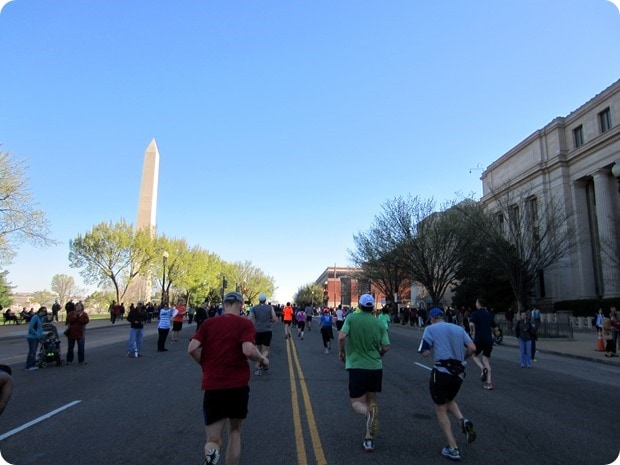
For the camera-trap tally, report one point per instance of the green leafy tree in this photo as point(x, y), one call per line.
point(251, 281)
point(20, 219)
point(64, 286)
point(5, 290)
point(309, 294)
point(112, 253)
point(99, 301)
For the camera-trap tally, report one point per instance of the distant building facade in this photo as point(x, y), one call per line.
point(574, 159)
point(341, 286)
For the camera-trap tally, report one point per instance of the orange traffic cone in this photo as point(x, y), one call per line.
point(600, 346)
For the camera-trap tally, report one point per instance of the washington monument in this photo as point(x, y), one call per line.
point(147, 209)
point(147, 203)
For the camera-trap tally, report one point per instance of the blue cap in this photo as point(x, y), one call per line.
point(436, 313)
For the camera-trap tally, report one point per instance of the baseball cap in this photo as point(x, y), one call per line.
point(262, 298)
point(366, 300)
point(233, 297)
point(436, 313)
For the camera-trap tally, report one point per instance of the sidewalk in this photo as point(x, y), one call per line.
point(581, 346)
point(12, 331)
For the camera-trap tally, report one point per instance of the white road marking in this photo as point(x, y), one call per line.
point(38, 420)
point(418, 364)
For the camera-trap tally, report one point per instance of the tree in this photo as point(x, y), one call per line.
point(251, 281)
point(480, 276)
point(112, 253)
point(20, 220)
point(5, 290)
point(523, 238)
point(309, 295)
point(64, 286)
point(428, 243)
point(99, 301)
point(380, 262)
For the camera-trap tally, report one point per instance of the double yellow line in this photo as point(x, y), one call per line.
point(302, 459)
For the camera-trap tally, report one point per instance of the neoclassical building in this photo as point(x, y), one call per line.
point(576, 159)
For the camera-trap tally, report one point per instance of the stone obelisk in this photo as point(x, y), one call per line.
point(147, 213)
point(147, 203)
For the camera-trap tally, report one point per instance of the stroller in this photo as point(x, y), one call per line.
point(50, 347)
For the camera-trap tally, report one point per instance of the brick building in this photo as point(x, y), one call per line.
point(342, 286)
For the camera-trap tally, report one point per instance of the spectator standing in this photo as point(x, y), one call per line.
point(55, 309)
point(34, 335)
point(163, 327)
point(114, 311)
point(77, 319)
point(150, 309)
point(598, 320)
point(451, 346)
point(607, 333)
point(177, 321)
point(523, 332)
point(362, 343)
point(136, 319)
point(615, 323)
point(222, 347)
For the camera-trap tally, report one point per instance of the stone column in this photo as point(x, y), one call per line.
point(582, 276)
point(604, 188)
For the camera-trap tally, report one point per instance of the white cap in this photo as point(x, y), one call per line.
point(262, 298)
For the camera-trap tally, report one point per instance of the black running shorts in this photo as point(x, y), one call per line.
point(225, 403)
point(444, 387)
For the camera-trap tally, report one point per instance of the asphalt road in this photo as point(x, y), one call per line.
point(117, 410)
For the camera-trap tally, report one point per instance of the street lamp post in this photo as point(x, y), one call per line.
point(163, 281)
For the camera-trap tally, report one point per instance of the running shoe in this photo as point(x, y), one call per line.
point(468, 429)
point(372, 419)
point(368, 445)
point(452, 454)
point(489, 386)
point(483, 376)
point(258, 372)
point(212, 457)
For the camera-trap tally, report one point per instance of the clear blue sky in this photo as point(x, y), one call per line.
point(282, 125)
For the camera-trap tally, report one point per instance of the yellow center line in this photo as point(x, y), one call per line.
point(299, 440)
point(314, 432)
